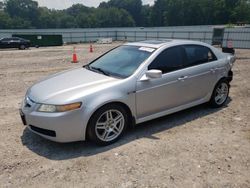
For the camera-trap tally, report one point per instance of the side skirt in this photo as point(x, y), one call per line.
point(172, 110)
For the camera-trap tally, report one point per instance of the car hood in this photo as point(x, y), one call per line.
point(68, 86)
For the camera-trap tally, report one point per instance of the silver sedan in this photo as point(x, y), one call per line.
point(130, 84)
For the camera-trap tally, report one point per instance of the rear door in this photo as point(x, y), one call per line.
point(15, 42)
point(201, 71)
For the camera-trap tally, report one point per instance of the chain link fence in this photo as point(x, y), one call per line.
point(238, 37)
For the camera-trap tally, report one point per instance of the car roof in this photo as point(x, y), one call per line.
point(163, 42)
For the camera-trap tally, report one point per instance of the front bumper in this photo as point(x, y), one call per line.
point(59, 127)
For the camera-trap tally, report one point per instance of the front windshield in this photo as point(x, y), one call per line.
point(122, 61)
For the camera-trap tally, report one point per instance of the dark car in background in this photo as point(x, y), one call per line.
point(14, 42)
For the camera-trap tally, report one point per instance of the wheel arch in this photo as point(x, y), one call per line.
point(222, 78)
point(230, 75)
point(123, 105)
point(214, 85)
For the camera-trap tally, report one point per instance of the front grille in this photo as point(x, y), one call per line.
point(43, 131)
point(27, 105)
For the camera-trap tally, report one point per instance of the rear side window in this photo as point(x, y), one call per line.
point(198, 54)
point(6, 39)
point(169, 60)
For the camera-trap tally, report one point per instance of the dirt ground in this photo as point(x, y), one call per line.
point(199, 147)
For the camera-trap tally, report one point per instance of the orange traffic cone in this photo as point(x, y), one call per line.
point(74, 57)
point(90, 48)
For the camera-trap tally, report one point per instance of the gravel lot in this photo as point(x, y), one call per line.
point(199, 147)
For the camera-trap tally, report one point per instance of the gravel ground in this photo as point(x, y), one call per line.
point(199, 147)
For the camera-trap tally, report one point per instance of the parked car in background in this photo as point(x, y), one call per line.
point(130, 84)
point(14, 42)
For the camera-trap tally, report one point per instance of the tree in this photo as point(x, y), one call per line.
point(77, 9)
point(146, 16)
point(134, 7)
point(83, 20)
point(1, 5)
point(24, 9)
point(241, 13)
point(113, 17)
point(126, 13)
point(20, 23)
point(48, 18)
point(66, 21)
point(199, 12)
point(5, 20)
point(159, 11)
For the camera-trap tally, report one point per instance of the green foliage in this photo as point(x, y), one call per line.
point(108, 17)
point(146, 15)
point(76, 9)
point(24, 11)
point(134, 7)
point(126, 13)
point(27, 14)
point(199, 12)
point(5, 20)
point(48, 18)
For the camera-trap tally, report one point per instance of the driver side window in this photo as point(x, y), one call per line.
point(169, 60)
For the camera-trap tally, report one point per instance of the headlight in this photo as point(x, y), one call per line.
point(59, 108)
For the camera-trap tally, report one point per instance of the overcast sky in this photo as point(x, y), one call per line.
point(62, 4)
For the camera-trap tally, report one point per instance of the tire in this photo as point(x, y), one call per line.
point(220, 94)
point(22, 47)
point(107, 124)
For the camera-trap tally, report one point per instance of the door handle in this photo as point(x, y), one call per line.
point(213, 70)
point(183, 78)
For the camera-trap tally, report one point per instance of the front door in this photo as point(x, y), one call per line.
point(157, 95)
point(161, 94)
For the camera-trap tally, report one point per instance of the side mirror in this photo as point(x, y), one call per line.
point(152, 74)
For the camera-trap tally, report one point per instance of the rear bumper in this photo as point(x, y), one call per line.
point(228, 50)
point(230, 76)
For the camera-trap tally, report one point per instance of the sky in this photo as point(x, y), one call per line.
point(62, 4)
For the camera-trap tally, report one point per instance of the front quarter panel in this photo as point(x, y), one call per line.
point(123, 92)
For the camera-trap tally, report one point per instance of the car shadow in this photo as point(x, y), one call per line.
point(12, 49)
point(64, 151)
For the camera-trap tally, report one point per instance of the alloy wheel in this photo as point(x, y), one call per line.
point(109, 125)
point(221, 93)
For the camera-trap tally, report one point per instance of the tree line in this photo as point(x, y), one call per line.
point(25, 14)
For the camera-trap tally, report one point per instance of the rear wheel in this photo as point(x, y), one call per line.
point(22, 47)
point(220, 94)
point(107, 124)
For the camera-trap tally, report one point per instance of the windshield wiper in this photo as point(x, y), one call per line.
point(99, 70)
point(86, 66)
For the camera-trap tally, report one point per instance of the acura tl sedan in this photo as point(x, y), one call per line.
point(130, 84)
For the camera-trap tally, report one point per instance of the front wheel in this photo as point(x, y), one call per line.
point(107, 124)
point(220, 94)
